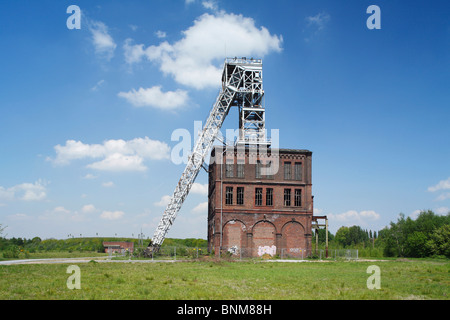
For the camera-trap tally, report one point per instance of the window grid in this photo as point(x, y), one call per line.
point(258, 197)
point(287, 171)
point(229, 170)
point(240, 195)
point(229, 195)
point(269, 197)
point(298, 171)
point(287, 197)
point(240, 170)
point(258, 169)
point(298, 198)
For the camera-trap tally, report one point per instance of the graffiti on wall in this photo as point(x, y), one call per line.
point(272, 250)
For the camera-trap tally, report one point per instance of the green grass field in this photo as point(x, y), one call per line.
point(259, 280)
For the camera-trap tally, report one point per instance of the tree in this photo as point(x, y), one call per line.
point(416, 245)
point(341, 236)
point(416, 238)
point(439, 242)
point(1, 229)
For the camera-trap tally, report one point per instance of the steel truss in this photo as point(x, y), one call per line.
point(241, 87)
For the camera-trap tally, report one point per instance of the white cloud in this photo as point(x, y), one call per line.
point(442, 210)
point(101, 39)
point(442, 185)
point(19, 217)
point(108, 184)
point(199, 188)
point(196, 59)
point(210, 4)
point(160, 34)
point(355, 217)
point(57, 213)
point(119, 162)
point(112, 215)
point(319, 20)
point(116, 155)
point(98, 85)
point(61, 209)
point(315, 24)
point(443, 196)
point(89, 208)
point(154, 97)
point(133, 53)
point(415, 214)
point(25, 191)
point(163, 202)
point(201, 208)
point(317, 211)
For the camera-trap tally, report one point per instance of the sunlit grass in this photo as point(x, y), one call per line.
point(228, 280)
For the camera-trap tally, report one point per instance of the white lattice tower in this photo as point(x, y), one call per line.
point(241, 87)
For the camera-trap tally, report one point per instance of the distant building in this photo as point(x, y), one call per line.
point(260, 203)
point(118, 246)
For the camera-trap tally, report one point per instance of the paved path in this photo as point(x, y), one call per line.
point(75, 260)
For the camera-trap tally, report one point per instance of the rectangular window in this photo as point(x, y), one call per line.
point(229, 170)
point(240, 195)
point(287, 171)
point(269, 170)
point(258, 197)
point(240, 170)
point(269, 197)
point(258, 169)
point(287, 197)
point(229, 195)
point(298, 198)
point(298, 171)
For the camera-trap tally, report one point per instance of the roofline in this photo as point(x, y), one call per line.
point(269, 150)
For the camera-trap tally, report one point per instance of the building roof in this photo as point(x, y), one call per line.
point(270, 150)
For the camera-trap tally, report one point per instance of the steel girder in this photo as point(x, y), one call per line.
point(242, 87)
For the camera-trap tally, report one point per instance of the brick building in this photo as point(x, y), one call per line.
point(260, 202)
point(118, 246)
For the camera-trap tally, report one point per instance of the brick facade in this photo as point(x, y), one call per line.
point(253, 210)
point(118, 246)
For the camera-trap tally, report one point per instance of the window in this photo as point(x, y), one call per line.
point(229, 195)
point(298, 171)
point(229, 170)
point(269, 197)
point(287, 197)
point(287, 171)
point(240, 170)
point(269, 170)
point(258, 197)
point(240, 195)
point(298, 198)
point(258, 169)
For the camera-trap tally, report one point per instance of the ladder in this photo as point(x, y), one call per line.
point(241, 87)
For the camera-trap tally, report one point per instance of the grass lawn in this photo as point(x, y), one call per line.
point(258, 280)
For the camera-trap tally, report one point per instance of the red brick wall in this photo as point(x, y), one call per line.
point(252, 227)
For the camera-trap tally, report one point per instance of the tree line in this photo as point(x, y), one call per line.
point(13, 247)
point(426, 236)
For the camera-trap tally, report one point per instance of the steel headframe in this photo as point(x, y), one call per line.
point(241, 87)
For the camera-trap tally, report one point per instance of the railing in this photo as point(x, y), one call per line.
point(235, 253)
point(243, 60)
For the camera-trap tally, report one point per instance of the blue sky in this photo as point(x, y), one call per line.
point(87, 115)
